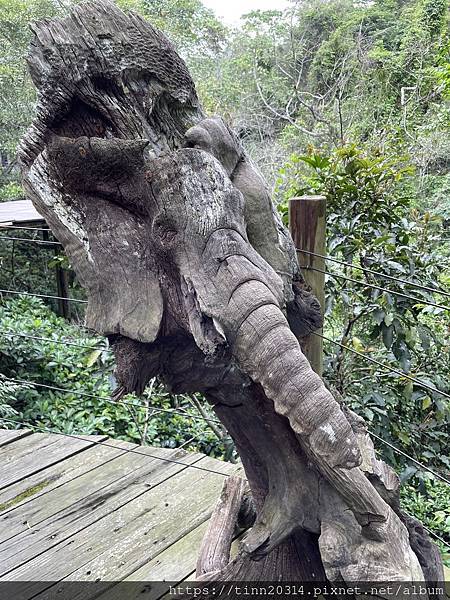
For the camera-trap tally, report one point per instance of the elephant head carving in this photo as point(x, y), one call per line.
point(191, 274)
point(188, 235)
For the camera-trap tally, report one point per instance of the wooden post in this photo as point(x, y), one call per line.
point(307, 223)
point(63, 291)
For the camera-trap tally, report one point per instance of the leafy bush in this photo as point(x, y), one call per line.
point(430, 506)
point(8, 391)
point(86, 373)
point(372, 223)
point(10, 191)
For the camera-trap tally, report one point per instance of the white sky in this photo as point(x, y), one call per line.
point(231, 10)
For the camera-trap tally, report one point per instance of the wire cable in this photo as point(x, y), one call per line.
point(435, 535)
point(135, 451)
point(110, 400)
point(44, 339)
point(380, 364)
point(131, 450)
point(420, 464)
point(335, 260)
point(17, 239)
point(201, 418)
point(173, 411)
point(7, 226)
point(18, 293)
point(377, 287)
point(377, 273)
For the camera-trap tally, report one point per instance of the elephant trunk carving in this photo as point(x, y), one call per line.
point(193, 277)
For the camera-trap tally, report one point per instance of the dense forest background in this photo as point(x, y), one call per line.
point(343, 98)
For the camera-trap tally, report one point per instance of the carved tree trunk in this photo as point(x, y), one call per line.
point(193, 278)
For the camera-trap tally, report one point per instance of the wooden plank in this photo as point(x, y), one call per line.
point(187, 579)
point(34, 453)
point(79, 493)
point(116, 546)
point(36, 485)
point(175, 563)
point(37, 527)
point(170, 521)
point(10, 435)
point(25, 446)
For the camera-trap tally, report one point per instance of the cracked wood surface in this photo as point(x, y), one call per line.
point(104, 514)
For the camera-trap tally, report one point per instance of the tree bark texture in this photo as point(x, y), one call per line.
point(194, 279)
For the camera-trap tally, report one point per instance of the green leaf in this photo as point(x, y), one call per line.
point(93, 357)
point(389, 317)
point(357, 344)
point(426, 402)
point(404, 437)
point(378, 315)
point(407, 390)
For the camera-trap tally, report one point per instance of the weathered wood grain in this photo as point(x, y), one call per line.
point(175, 563)
point(307, 220)
point(128, 536)
point(32, 454)
point(10, 435)
point(215, 549)
point(28, 489)
point(35, 528)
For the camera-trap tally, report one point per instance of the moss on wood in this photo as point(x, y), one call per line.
point(25, 494)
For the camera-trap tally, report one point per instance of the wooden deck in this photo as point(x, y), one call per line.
point(97, 509)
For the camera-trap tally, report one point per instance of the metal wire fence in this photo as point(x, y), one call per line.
point(381, 289)
point(377, 273)
point(30, 240)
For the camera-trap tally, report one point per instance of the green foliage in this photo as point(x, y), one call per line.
point(357, 184)
point(441, 69)
point(86, 370)
point(189, 24)
point(10, 191)
point(429, 504)
point(371, 224)
point(8, 391)
point(16, 90)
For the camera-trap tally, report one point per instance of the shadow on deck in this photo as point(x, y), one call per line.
point(93, 509)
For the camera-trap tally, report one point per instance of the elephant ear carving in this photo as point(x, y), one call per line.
point(139, 90)
point(96, 207)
